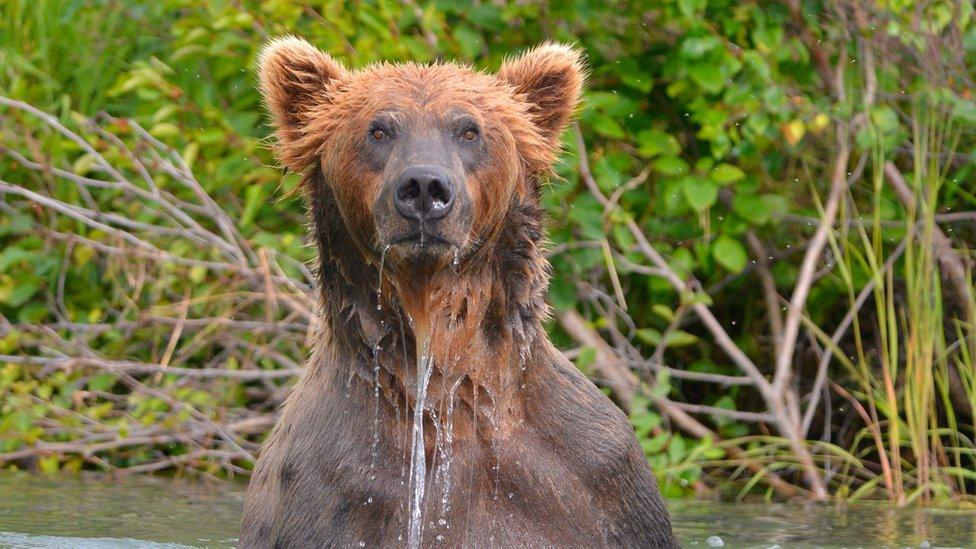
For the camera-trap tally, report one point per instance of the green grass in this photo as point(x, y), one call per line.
point(67, 54)
point(918, 444)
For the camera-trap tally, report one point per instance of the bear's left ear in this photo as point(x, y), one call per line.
point(295, 79)
point(549, 78)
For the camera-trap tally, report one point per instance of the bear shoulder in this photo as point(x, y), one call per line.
point(592, 435)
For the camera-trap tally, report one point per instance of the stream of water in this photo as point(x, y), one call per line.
point(418, 451)
point(143, 513)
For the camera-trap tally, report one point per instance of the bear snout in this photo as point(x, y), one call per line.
point(424, 211)
point(424, 194)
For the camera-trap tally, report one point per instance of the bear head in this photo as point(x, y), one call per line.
point(424, 161)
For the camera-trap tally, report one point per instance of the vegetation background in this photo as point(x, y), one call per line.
point(761, 234)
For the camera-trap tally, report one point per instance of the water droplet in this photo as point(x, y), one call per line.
point(715, 541)
point(379, 284)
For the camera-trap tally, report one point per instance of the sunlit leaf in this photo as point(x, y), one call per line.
point(729, 253)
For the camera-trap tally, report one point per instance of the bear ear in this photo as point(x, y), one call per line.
point(549, 78)
point(295, 77)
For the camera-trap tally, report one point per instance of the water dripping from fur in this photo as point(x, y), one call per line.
point(379, 284)
point(376, 411)
point(418, 457)
point(445, 449)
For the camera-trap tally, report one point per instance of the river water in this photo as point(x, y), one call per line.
point(151, 513)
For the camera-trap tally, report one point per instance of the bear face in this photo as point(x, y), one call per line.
point(423, 160)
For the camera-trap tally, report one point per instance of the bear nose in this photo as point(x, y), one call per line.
point(424, 193)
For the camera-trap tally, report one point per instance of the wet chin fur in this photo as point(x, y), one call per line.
point(425, 252)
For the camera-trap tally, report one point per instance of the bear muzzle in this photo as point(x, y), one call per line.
point(424, 194)
point(424, 213)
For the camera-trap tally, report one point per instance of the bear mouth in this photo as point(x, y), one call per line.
point(423, 248)
point(422, 240)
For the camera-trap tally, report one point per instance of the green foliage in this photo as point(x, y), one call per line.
point(707, 121)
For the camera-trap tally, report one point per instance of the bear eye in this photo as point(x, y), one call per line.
point(469, 134)
point(378, 134)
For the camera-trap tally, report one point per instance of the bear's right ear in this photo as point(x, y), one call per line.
point(295, 78)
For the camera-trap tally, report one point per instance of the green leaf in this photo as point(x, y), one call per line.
point(724, 402)
point(884, 118)
point(680, 338)
point(607, 176)
point(676, 449)
point(655, 444)
point(707, 449)
point(164, 130)
point(632, 75)
point(562, 293)
point(644, 422)
point(724, 173)
point(606, 126)
point(13, 256)
point(649, 336)
point(255, 198)
point(662, 383)
point(700, 193)
point(585, 357)
point(21, 421)
point(656, 142)
point(690, 8)
point(663, 311)
point(19, 293)
point(49, 465)
point(776, 204)
point(670, 165)
point(708, 76)
point(101, 382)
point(82, 254)
point(198, 273)
point(729, 253)
point(752, 208)
point(696, 46)
point(589, 219)
point(469, 40)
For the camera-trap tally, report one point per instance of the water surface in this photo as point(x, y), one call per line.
point(145, 513)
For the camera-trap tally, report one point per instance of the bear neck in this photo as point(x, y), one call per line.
point(483, 316)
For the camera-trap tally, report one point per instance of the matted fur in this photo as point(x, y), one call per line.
point(541, 458)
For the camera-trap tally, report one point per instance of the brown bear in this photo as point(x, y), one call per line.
point(434, 410)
